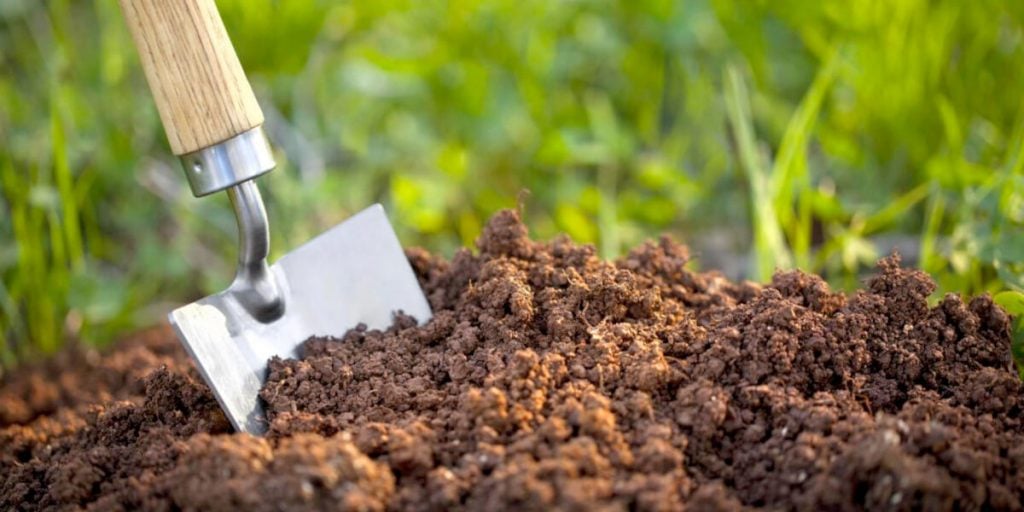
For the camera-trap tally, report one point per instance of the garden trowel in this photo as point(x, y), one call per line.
point(355, 273)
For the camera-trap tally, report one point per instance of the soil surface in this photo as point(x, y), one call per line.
point(550, 379)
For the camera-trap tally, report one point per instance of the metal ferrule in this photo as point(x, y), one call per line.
point(226, 164)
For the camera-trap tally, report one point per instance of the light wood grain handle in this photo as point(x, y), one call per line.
point(199, 85)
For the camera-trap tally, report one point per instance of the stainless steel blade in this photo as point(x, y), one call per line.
point(354, 273)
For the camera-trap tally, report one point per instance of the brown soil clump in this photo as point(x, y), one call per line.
point(549, 379)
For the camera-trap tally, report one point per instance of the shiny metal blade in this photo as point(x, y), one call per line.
point(354, 273)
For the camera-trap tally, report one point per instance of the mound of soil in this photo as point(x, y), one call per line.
point(551, 379)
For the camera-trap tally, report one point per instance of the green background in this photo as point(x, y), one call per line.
point(766, 134)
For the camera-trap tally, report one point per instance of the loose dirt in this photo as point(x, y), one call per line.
point(550, 379)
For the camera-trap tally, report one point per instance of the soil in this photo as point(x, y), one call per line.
point(550, 379)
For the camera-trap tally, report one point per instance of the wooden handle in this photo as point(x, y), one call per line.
point(199, 86)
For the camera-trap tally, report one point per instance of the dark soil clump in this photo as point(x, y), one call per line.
point(549, 379)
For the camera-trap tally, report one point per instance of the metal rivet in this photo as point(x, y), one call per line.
point(197, 167)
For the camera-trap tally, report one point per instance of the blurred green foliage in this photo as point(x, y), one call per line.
point(810, 134)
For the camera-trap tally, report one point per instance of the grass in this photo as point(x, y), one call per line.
point(770, 249)
point(804, 135)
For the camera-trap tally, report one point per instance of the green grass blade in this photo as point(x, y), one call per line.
point(928, 259)
point(789, 174)
point(70, 225)
point(896, 209)
point(770, 251)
